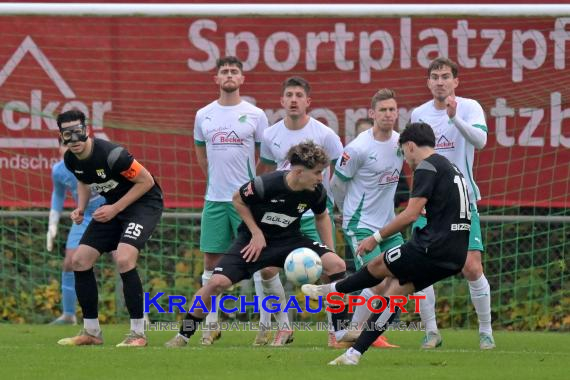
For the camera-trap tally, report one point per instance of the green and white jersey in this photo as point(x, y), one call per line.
point(449, 142)
point(229, 134)
point(278, 139)
point(371, 169)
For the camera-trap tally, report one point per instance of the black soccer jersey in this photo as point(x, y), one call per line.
point(107, 170)
point(447, 208)
point(276, 208)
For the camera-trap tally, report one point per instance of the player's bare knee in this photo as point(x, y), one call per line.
point(473, 268)
point(269, 272)
point(80, 263)
point(216, 285)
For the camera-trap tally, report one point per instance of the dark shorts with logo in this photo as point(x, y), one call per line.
point(133, 226)
point(233, 266)
point(410, 263)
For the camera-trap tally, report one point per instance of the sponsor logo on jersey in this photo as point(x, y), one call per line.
point(388, 177)
point(444, 144)
point(461, 227)
point(226, 138)
point(344, 159)
point(301, 207)
point(277, 219)
point(104, 187)
point(101, 173)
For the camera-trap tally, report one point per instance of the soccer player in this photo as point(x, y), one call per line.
point(133, 207)
point(226, 133)
point(363, 124)
point(460, 128)
point(271, 207)
point(364, 186)
point(296, 127)
point(435, 252)
point(63, 182)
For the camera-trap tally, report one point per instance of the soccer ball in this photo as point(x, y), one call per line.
point(303, 266)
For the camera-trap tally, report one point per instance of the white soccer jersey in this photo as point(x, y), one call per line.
point(229, 134)
point(278, 139)
point(371, 169)
point(449, 141)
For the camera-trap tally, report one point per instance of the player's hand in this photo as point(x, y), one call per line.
point(252, 251)
point(50, 237)
point(451, 106)
point(105, 213)
point(367, 245)
point(77, 216)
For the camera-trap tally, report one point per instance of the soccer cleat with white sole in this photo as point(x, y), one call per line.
point(262, 338)
point(432, 340)
point(316, 291)
point(82, 339)
point(486, 341)
point(282, 337)
point(64, 320)
point(134, 340)
point(177, 341)
point(346, 359)
point(210, 336)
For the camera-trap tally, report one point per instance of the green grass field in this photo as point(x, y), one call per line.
point(30, 351)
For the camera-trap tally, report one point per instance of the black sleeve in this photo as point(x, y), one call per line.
point(119, 159)
point(424, 180)
point(320, 201)
point(253, 191)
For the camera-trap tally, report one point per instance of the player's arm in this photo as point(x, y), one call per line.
point(143, 182)
point(202, 158)
point(57, 199)
point(339, 187)
point(265, 166)
point(476, 134)
point(247, 193)
point(83, 195)
point(324, 228)
point(401, 221)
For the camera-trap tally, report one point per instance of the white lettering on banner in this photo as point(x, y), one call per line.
point(103, 187)
point(14, 110)
point(528, 135)
point(277, 219)
point(528, 48)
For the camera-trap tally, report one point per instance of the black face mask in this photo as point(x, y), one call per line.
point(74, 134)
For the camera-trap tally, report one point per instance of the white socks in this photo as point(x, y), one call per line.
point(264, 316)
point(92, 326)
point(211, 318)
point(427, 309)
point(481, 298)
point(137, 325)
point(274, 287)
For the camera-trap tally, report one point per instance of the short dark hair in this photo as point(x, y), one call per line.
point(363, 120)
point(71, 115)
point(229, 60)
point(308, 154)
point(419, 133)
point(296, 82)
point(440, 63)
point(383, 94)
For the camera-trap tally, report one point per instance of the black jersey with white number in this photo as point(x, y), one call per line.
point(447, 208)
point(102, 171)
point(276, 208)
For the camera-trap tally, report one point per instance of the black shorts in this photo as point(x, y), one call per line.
point(133, 226)
point(410, 263)
point(233, 266)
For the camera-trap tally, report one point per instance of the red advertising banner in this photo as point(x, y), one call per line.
point(141, 80)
